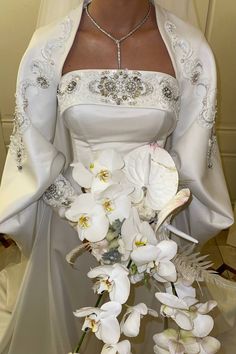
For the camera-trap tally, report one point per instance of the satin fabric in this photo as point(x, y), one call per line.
point(50, 289)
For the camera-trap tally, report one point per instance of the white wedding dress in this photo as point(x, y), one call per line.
point(101, 109)
point(98, 109)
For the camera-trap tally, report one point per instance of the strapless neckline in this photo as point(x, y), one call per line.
point(113, 70)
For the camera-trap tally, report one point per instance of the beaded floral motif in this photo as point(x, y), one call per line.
point(42, 76)
point(192, 66)
point(193, 70)
point(119, 87)
point(60, 193)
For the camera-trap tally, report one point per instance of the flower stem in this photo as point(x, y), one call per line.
point(173, 289)
point(96, 305)
point(84, 334)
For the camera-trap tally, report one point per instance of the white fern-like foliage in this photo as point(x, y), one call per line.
point(193, 266)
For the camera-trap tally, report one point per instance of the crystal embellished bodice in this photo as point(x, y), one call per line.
point(119, 109)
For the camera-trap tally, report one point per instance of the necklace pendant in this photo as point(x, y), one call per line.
point(118, 54)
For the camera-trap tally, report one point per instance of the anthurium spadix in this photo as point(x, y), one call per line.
point(99, 173)
point(188, 313)
point(113, 279)
point(90, 217)
point(151, 170)
point(102, 321)
point(123, 347)
point(130, 324)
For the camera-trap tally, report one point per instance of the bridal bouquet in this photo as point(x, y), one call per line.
point(124, 219)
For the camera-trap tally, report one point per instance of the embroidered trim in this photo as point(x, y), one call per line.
point(193, 70)
point(60, 193)
point(119, 87)
point(192, 66)
point(44, 74)
point(212, 143)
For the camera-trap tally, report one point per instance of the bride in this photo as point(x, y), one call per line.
point(77, 94)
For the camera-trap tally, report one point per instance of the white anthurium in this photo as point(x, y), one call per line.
point(99, 173)
point(151, 170)
point(188, 313)
point(90, 217)
point(123, 347)
point(113, 279)
point(115, 201)
point(173, 205)
point(135, 233)
point(102, 321)
point(156, 260)
point(130, 324)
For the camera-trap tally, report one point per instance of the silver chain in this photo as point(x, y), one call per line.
point(116, 40)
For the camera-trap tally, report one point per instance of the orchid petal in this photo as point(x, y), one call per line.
point(171, 301)
point(206, 307)
point(82, 175)
point(203, 325)
point(183, 320)
point(144, 254)
point(167, 250)
point(210, 345)
point(109, 330)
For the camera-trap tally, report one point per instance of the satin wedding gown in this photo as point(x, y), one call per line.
point(101, 109)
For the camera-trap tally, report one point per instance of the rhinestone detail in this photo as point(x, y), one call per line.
point(60, 193)
point(119, 87)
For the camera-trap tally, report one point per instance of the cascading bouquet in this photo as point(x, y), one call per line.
point(124, 219)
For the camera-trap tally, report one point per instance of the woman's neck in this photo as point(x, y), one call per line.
point(118, 16)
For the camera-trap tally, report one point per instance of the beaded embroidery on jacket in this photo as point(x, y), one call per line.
point(43, 71)
point(60, 193)
point(193, 70)
point(119, 87)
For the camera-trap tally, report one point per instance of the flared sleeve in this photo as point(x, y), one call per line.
point(193, 144)
point(33, 162)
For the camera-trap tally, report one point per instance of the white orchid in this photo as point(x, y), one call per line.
point(102, 321)
point(113, 279)
point(130, 324)
point(188, 313)
point(156, 260)
point(99, 173)
point(183, 342)
point(151, 170)
point(123, 347)
point(135, 233)
point(115, 201)
point(90, 217)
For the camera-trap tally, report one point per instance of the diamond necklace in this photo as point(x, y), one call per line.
point(118, 41)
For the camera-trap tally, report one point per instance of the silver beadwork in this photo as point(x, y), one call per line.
point(44, 74)
point(60, 193)
point(120, 87)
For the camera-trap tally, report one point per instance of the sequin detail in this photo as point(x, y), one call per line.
point(42, 74)
point(60, 193)
point(119, 87)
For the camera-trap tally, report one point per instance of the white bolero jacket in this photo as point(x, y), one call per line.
point(40, 152)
